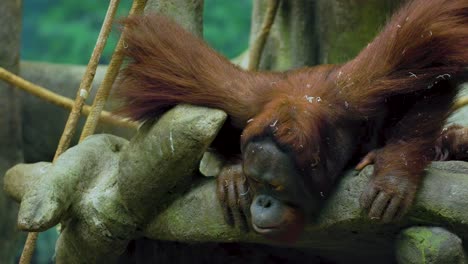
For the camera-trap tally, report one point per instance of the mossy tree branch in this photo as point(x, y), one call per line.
point(119, 181)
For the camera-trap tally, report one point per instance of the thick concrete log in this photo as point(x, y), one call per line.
point(107, 191)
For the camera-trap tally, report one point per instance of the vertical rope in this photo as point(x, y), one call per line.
point(106, 85)
point(85, 86)
point(259, 44)
point(72, 121)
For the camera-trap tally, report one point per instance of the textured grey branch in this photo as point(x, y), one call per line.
point(107, 191)
point(441, 201)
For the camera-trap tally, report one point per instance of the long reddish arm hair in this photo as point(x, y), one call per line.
point(423, 43)
point(168, 66)
point(426, 40)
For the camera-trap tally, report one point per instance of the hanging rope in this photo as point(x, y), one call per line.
point(106, 85)
point(72, 121)
point(257, 47)
point(85, 86)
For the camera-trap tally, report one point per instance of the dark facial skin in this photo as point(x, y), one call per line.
point(281, 202)
point(452, 144)
point(268, 191)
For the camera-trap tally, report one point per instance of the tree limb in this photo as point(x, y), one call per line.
point(103, 191)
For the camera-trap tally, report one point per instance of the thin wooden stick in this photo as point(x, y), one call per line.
point(72, 121)
point(59, 100)
point(461, 102)
point(88, 77)
point(106, 85)
point(257, 48)
point(106, 117)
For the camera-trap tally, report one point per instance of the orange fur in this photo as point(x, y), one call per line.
point(425, 42)
point(406, 77)
point(168, 66)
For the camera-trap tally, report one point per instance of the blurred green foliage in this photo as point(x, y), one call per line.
point(227, 25)
point(64, 31)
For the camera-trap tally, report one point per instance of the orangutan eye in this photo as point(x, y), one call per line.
point(276, 187)
point(315, 161)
